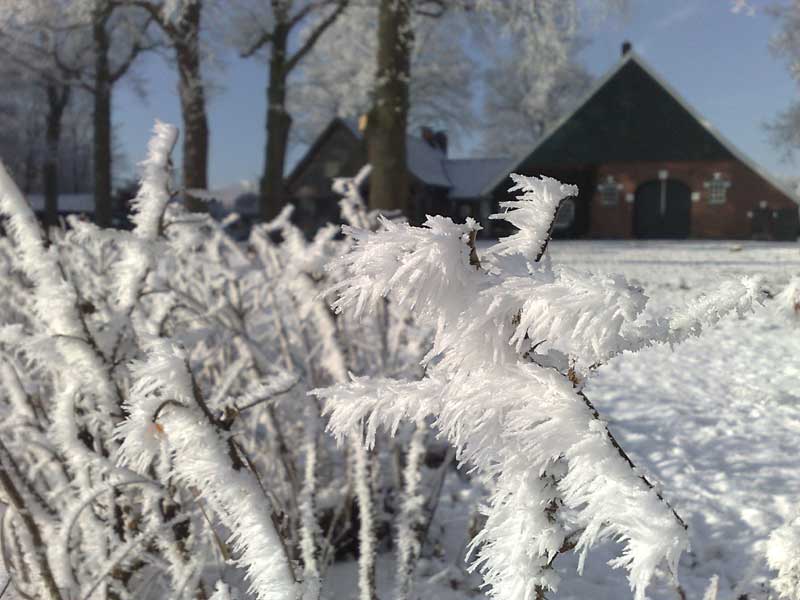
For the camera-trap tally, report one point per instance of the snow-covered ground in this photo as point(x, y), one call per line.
point(716, 421)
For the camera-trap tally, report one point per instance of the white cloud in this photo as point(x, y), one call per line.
point(743, 6)
point(680, 15)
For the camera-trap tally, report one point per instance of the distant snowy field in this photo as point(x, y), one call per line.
point(717, 423)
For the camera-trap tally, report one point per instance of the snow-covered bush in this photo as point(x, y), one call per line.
point(783, 555)
point(157, 439)
point(515, 340)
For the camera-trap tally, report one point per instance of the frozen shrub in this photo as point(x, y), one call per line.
point(158, 438)
point(515, 340)
point(783, 555)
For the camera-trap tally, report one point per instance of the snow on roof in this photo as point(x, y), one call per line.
point(67, 203)
point(470, 176)
point(426, 162)
point(464, 178)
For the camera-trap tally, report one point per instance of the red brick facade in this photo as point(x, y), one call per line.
point(648, 166)
point(748, 194)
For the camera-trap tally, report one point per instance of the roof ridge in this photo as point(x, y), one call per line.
point(598, 85)
point(633, 56)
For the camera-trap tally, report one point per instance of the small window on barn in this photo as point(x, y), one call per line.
point(566, 214)
point(609, 191)
point(717, 188)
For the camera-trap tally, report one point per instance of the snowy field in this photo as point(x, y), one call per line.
point(717, 423)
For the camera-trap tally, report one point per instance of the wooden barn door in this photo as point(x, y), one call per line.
point(662, 210)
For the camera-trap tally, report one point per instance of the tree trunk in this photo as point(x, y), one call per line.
point(102, 122)
point(386, 126)
point(193, 105)
point(272, 194)
point(57, 98)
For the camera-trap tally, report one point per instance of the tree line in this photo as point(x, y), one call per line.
point(397, 62)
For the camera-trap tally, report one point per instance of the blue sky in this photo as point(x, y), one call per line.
point(718, 61)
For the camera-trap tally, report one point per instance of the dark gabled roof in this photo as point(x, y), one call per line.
point(630, 118)
point(465, 178)
point(309, 155)
point(631, 114)
point(424, 161)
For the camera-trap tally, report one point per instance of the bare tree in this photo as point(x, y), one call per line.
point(784, 129)
point(388, 119)
point(37, 39)
point(335, 80)
point(181, 21)
point(118, 37)
point(517, 111)
point(57, 98)
point(91, 45)
point(260, 25)
point(415, 71)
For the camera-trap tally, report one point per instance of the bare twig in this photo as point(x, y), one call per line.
point(18, 503)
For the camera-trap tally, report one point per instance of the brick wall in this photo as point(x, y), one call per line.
point(747, 193)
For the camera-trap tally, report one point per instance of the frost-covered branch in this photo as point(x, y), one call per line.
point(204, 461)
point(783, 556)
point(411, 517)
point(14, 493)
point(148, 213)
point(513, 340)
point(533, 213)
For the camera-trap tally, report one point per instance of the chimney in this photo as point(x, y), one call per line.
point(440, 137)
point(626, 47)
point(426, 133)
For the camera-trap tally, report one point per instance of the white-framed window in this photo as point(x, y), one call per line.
point(609, 191)
point(717, 188)
point(565, 216)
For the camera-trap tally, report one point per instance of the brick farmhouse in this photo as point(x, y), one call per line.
point(647, 166)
